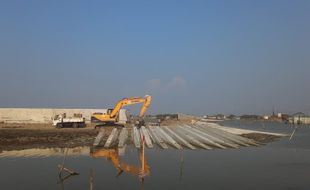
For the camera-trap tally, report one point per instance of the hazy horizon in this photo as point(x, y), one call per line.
point(196, 57)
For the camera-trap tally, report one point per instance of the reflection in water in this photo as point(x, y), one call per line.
point(63, 179)
point(62, 169)
point(113, 155)
point(91, 180)
point(46, 152)
point(181, 165)
point(142, 170)
point(279, 159)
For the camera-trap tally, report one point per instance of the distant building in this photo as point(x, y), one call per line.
point(167, 116)
point(231, 116)
point(152, 120)
point(220, 116)
point(251, 117)
point(215, 117)
point(299, 119)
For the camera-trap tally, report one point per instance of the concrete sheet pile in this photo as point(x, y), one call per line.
point(122, 138)
point(157, 137)
point(111, 139)
point(99, 137)
point(146, 136)
point(179, 136)
point(136, 137)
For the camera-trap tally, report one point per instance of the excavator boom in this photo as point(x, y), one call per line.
point(135, 100)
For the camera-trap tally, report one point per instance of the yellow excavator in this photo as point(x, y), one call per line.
point(111, 117)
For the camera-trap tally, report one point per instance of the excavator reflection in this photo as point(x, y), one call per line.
point(113, 155)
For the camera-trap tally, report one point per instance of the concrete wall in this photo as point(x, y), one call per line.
point(45, 115)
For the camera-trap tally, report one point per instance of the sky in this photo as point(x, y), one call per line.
point(196, 57)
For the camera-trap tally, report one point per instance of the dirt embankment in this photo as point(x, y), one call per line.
point(21, 136)
point(262, 138)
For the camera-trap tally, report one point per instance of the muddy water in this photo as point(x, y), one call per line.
point(278, 165)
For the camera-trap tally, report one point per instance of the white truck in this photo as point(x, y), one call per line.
point(61, 121)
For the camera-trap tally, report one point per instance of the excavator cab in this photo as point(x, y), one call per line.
point(109, 111)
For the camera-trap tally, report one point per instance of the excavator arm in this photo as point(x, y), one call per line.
point(147, 103)
point(129, 101)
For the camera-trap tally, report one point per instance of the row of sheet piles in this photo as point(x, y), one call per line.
point(179, 136)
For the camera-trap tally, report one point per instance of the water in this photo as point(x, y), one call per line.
point(282, 164)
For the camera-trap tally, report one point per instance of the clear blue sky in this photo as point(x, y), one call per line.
point(193, 56)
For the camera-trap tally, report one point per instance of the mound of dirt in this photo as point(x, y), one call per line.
point(262, 138)
point(22, 136)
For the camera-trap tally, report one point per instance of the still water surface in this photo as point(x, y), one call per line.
point(282, 164)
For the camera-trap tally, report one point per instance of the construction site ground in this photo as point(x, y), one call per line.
point(23, 136)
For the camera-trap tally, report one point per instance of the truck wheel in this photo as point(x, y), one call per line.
point(58, 125)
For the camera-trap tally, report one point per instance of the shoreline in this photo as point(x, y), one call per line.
point(26, 136)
